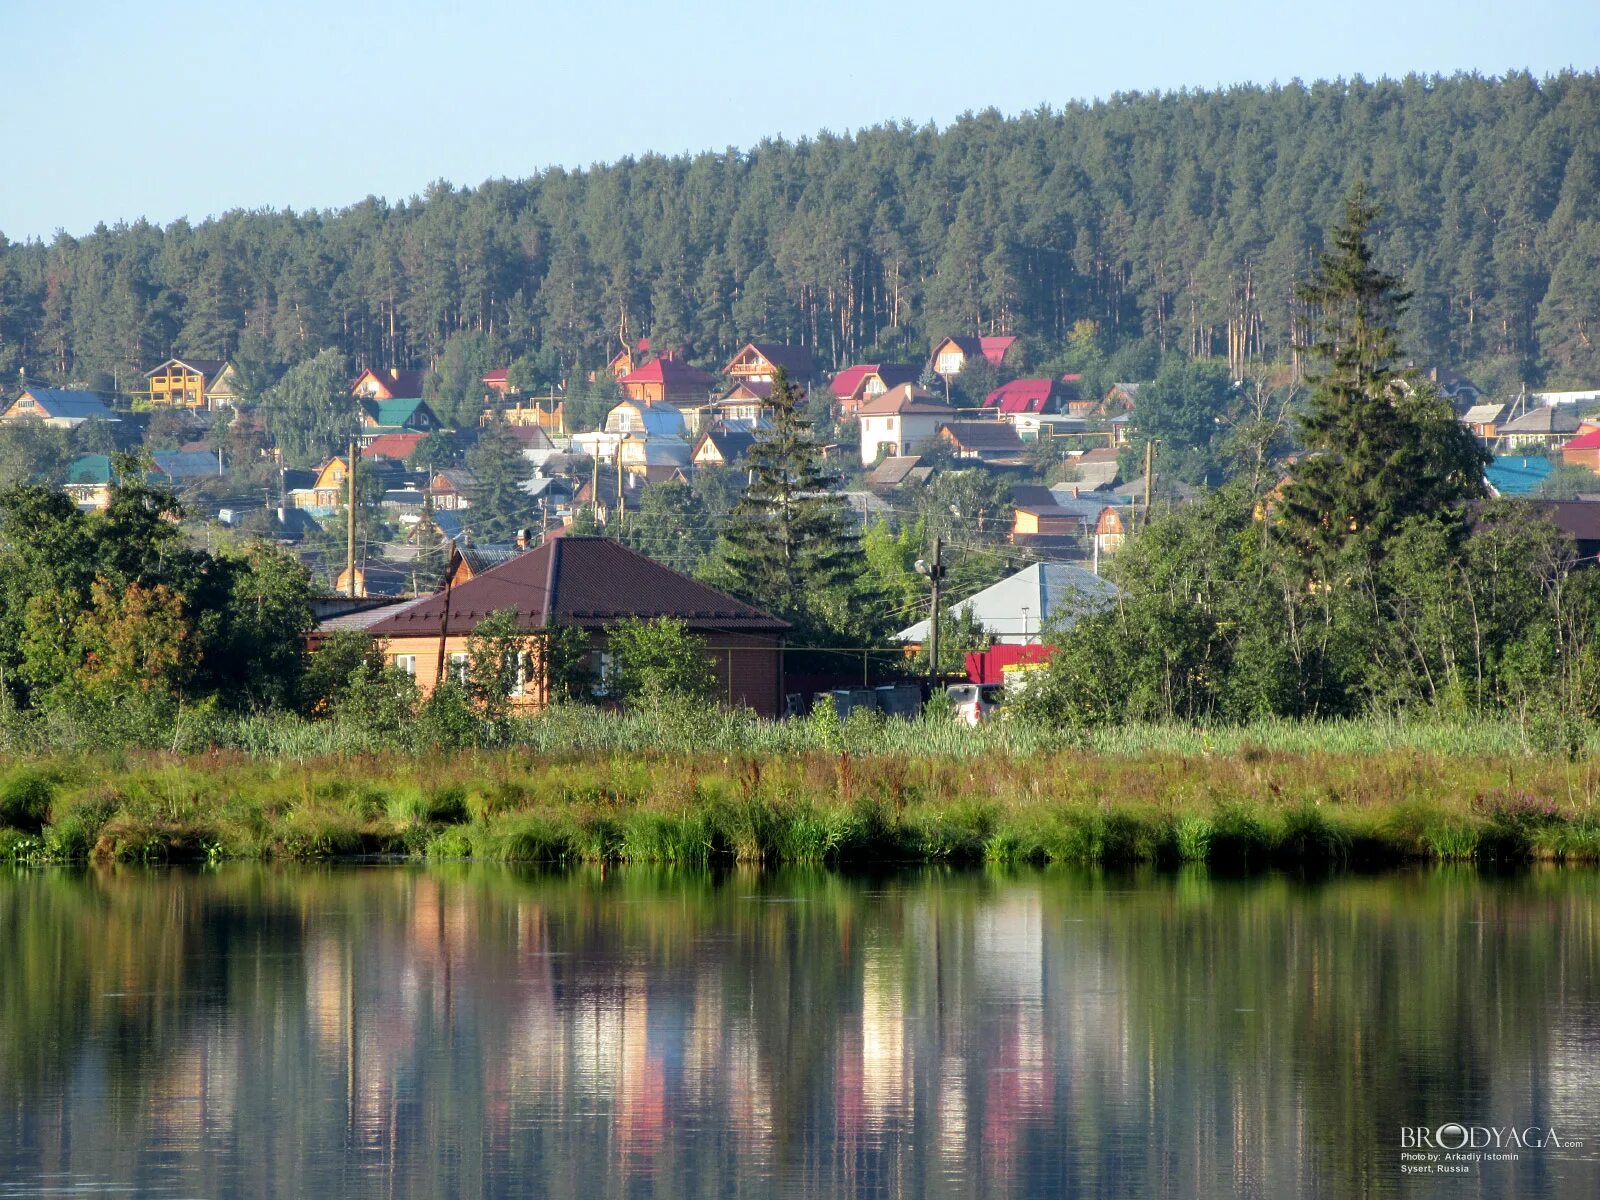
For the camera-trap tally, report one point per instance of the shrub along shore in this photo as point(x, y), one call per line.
point(1359, 793)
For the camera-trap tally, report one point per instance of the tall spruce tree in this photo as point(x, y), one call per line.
point(1380, 447)
point(499, 505)
point(789, 543)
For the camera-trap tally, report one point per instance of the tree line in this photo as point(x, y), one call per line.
point(1181, 218)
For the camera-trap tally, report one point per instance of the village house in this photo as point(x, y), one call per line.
point(1021, 607)
point(991, 442)
point(1542, 426)
point(854, 386)
point(390, 383)
point(667, 381)
point(548, 414)
point(1483, 420)
point(645, 419)
point(902, 421)
point(626, 359)
point(209, 383)
point(405, 415)
point(588, 583)
point(58, 407)
point(951, 354)
point(722, 447)
point(898, 470)
point(326, 492)
point(747, 405)
point(398, 446)
point(1583, 451)
point(1119, 398)
point(451, 488)
point(89, 478)
point(1092, 469)
point(653, 460)
point(761, 361)
point(1031, 396)
point(498, 382)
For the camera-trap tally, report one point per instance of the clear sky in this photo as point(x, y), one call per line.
point(113, 110)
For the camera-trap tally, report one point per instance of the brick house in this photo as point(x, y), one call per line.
point(590, 583)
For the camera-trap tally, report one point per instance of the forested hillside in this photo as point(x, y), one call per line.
point(1184, 218)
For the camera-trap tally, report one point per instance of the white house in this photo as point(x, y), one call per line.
point(1044, 598)
point(904, 420)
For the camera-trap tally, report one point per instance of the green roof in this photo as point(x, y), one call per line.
point(90, 469)
point(395, 414)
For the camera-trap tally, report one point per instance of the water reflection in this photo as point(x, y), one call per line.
point(404, 1031)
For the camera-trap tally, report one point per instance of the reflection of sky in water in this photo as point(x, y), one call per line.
point(479, 1031)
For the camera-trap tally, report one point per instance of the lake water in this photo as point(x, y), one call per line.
point(468, 1030)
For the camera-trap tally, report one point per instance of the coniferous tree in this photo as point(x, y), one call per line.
point(789, 541)
point(499, 505)
point(1379, 448)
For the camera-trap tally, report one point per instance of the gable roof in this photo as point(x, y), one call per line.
point(401, 383)
point(589, 582)
point(848, 382)
point(669, 370)
point(499, 375)
point(207, 367)
point(1543, 420)
point(394, 413)
point(748, 389)
point(993, 349)
point(1483, 414)
point(998, 437)
point(795, 360)
point(398, 446)
point(1022, 396)
point(90, 470)
point(1048, 591)
point(893, 471)
point(905, 398)
point(730, 444)
point(62, 404)
point(185, 464)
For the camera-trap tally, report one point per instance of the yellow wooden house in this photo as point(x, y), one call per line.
point(192, 383)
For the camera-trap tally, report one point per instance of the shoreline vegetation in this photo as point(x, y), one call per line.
point(575, 786)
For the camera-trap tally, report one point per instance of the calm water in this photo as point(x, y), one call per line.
point(401, 1031)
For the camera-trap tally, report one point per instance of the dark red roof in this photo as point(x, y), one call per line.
point(498, 375)
point(848, 381)
point(1022, 396)
point(795, 360)
point(668, 370)
point(590, 582)
point(992, 348)
point(400, 383)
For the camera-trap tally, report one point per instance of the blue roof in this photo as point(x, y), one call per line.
point(63, 405)
point(186, 464)
point(1517, 476)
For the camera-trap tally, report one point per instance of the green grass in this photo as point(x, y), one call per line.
point(1255, 799)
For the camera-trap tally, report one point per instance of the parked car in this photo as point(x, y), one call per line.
point(974, 703)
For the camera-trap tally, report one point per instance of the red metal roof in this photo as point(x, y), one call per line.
point(668, 370)
point(498, 375)
point(994, 348)
point(590, 582)
point(847, 383)
point(1584, 441)
point(1022, 396)
point(392, 445)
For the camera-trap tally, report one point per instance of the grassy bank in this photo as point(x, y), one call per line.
point(1239, 803)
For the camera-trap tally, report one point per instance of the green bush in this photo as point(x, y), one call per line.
point(25, 796)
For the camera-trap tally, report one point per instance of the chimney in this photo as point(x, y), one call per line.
point(1074, 491)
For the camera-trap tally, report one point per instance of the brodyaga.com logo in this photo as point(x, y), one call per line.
point(1453, 1135)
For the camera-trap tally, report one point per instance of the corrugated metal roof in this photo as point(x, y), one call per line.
point(1016, 608)
point(590, 582)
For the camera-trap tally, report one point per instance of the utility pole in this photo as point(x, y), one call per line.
point(934, 571)
point(350, 521)
point(1149, 476)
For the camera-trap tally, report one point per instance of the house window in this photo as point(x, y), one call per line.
point(458, 668)
point(602, 674)
point(407, 663)
point(519, 682)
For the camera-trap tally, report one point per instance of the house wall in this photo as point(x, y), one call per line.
point(1582, 458)
point(748, 667)
point(177, 388)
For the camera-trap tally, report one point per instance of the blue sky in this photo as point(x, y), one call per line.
point(170, 108)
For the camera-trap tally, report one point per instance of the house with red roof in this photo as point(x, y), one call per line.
point(1583, 451)
point(625, 360)
point(854, 386)
point(398, 446)
point(901, 422)
point(1036, 397)
point(592, 584)
point(762, 361)
point(950, 355)
point(498, 381)
point(389, 383)
point(668, 381)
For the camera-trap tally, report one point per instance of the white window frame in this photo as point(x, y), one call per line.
point(406, 663)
